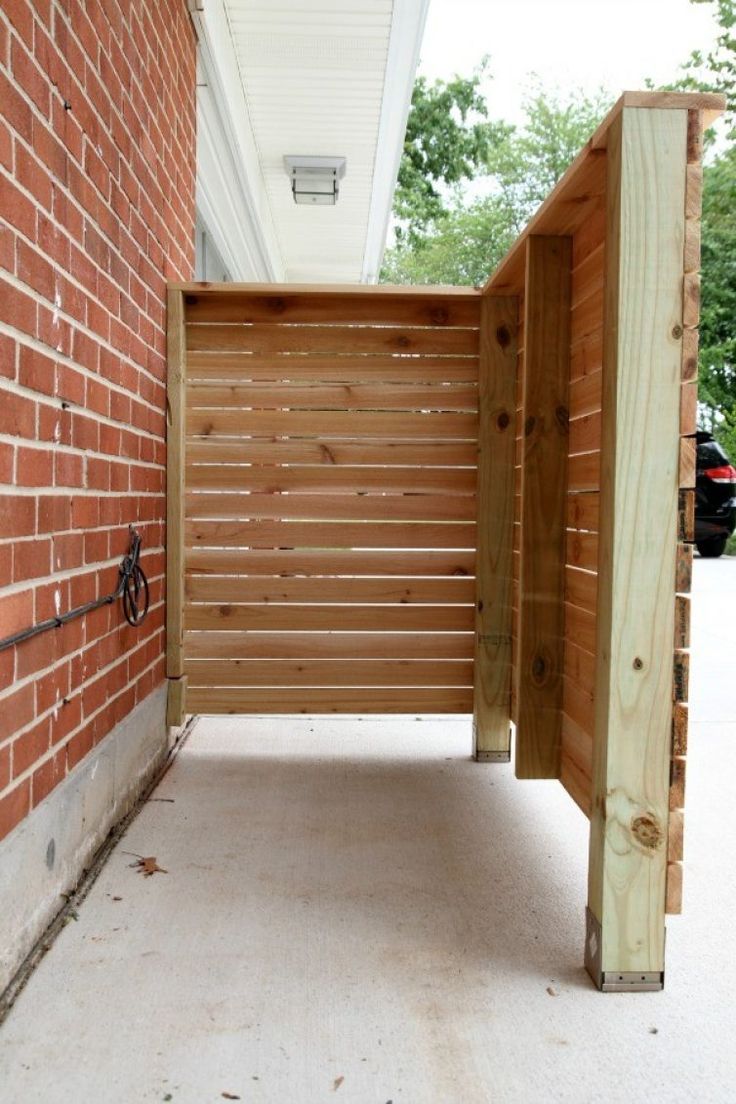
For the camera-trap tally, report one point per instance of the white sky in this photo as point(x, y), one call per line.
point(570, 44)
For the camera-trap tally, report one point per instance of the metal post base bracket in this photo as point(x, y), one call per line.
point(492, 756)
point(614, 981)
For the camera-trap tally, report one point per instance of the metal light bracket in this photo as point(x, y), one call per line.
point(614, 981)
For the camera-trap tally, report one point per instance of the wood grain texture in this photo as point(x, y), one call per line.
point(175, 402)
point(334, 700)
point(329, 645)
point(495, 515)
point(329, 535)
point(323, 396)
point(328, 618)
point(544, 482)
point(638, 522)
point(336, 507)
point(274, 453)
point(258, 588)
point(430, 308)
point(392, 424)
point(321, 478)
point(267, 340)
point(344, 367)
point(287, 563)
point(329, 672)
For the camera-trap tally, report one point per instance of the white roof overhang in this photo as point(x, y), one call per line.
point(309, 77)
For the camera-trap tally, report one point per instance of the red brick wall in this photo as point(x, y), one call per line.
point(97, 166)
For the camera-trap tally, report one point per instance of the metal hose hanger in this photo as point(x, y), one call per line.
point(132, 589)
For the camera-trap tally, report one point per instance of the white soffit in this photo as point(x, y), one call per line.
point(328, 78)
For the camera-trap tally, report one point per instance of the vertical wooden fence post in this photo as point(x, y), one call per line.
point(494, 570)
point(643, 326)
point(544, 505)
point(176, 383)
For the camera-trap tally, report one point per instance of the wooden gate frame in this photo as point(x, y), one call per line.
point(588, 402)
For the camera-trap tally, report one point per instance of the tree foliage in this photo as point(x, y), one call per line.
point(448, 138)
point(460, 240)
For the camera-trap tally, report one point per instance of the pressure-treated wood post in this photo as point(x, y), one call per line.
point(544, 505)
point(638, 532)
point(494, 569)
point(176, 381)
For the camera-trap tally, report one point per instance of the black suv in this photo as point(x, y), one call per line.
point(715, 497)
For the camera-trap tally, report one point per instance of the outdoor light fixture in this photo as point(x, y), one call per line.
point(315, 180)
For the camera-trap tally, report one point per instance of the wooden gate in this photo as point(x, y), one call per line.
point(329, 499)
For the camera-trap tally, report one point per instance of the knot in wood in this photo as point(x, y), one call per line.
point(439, 315)
point(277, 305)
point(677, 332)
point(503, 337)
point(539, 668)
point(647, 832)
point(503, 420)
point(480, 605)
point(562, 417)
point(403, 342)
point(638, 664)
point(529, 425)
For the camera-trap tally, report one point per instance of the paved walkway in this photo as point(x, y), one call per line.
point(355, 912)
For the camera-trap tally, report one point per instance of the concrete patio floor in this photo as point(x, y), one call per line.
point(353, 911)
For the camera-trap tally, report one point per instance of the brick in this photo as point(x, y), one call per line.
point(54, 512)
point(16, 709)
point(29, 77)
point(67, 551)
point(33, 176)
point(7, 462)
point(68, 471)
point(14, 807)
point(28, 748)
point(36, 370)
point(31, 560)
point(35, 467)
point(18, 309)
point(17, 515)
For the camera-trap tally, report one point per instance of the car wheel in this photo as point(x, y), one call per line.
point(712, 548)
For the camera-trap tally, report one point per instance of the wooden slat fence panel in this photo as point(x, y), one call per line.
point(330, 501)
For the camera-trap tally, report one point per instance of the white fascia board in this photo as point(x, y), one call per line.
point(407, 32)
point(231, 195)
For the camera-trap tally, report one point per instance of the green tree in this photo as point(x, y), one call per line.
point(461, 241)
point(715, 71)
point(448, 139)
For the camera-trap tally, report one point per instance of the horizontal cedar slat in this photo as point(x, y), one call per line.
point(275, 339)
point(585, 394)
point(591, 235)
point(429, 310)
point(398, 700)
point(332, 453)
point(587, 277)
point(581, 588)
point(329, 535)
point(280, 562)
point(576, 763)
point(256, 588)
point(582, 549)
point(580, 666)
point(315, 618)
point(326, 477)
point(586, 353)
point(580, 626)
point(328, 645)
point(584, 472)
point(310, 672)
point(260, 396)
point(341, 368)
point(586, 317)
point(578, 705)
point(583, 511)
point(336, 507)
point(299, 423)
point(585, 433)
